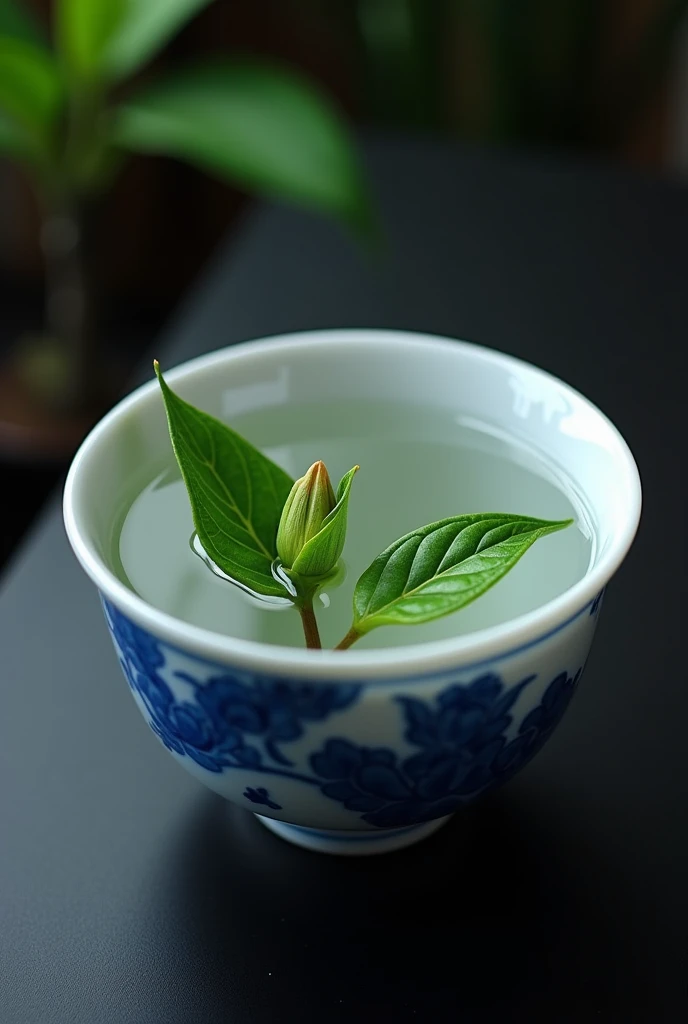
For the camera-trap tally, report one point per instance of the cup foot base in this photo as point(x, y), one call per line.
point(352, 843)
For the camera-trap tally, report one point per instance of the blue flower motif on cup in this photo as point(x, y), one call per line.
point(213, 728)
point(261, 796)
point(597, 603)
point(537, 726)
point(463, 751)
point(460, 738)
point(142, 653)
point(465, 737)
point(272, 709)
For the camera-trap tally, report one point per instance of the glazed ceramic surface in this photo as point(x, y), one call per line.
point(363, 751)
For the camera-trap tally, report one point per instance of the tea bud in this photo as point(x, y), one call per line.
point(309, 503)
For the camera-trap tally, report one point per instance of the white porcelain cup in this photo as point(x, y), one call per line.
point(366, 750)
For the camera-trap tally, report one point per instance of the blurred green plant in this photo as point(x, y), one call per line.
point(68, 115)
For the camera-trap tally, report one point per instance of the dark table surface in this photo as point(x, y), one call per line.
point(130, 895)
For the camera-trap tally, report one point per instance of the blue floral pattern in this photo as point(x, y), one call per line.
point(216, 728)
point(463, 751)
point(537, 726)
point(261, 796)
point(463, 742)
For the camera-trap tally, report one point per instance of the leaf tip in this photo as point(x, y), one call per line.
point(161, 380)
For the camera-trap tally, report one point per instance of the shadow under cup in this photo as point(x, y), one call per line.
point(372, 749)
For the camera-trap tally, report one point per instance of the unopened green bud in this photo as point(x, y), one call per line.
point(309, 503)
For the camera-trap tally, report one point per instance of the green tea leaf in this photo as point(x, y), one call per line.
point(263, 127)
point(147, 26)
point(443, 567)
point(84, 28)
point(322, 552)
point(236, 493)
point(30, 87)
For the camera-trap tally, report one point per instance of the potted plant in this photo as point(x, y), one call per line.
point(70, 115)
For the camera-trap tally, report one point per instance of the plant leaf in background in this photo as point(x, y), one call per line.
point(17, 22)
point(442, 567)
point(321, 553)
point(147, 26)
point(83, 30)
point(236, 493)
point(267, 129)
point(30, 87)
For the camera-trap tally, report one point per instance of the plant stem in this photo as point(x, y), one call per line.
point(69, 303)
point(65, 371)
point(310, 626)
point(351, 637)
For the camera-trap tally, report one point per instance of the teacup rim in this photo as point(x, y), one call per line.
point(426, 658)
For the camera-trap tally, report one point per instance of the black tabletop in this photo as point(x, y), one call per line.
point(130, 895)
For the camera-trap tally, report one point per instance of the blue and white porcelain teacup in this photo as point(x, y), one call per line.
point(366, 750)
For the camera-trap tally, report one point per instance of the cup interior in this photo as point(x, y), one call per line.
point(512, 398)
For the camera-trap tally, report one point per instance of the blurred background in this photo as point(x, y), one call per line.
point(96, 249)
